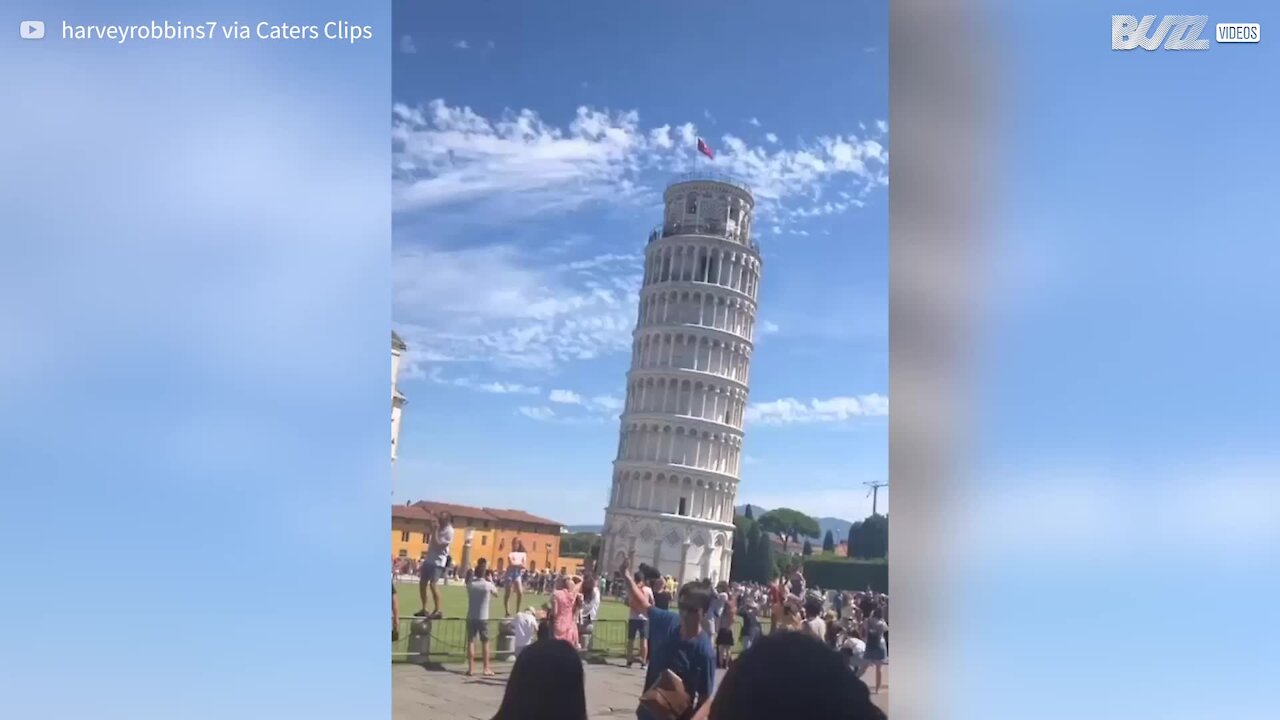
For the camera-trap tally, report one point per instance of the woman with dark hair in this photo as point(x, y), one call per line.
point(516, 560)
point(792, 675)
point(546, 683)
point(876, 628)
point(724, 631)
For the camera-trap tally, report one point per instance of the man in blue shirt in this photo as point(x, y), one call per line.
point(677, 640)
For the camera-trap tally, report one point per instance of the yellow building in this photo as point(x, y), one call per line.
point(491, 532)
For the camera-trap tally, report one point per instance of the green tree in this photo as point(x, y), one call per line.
point(807, 550)
point(760, 552)
point(578, 543)
point(789, 525)
point(741, 569)
point(869, 538)
point(829, 543)
point(748, 512)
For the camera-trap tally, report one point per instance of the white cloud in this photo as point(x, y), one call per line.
point(436, 375)
point(754, 121)
point(407, 45)
point(504, 388)
point(607, 403)
point(882, 126)
point(788, 411)
point(522, 316)
point(599, 404)
point(771, 138)
point(689, 134)
point(661, 137)
point(461, 45)
point(447, 156)
point(768, 328)
point(565, 397)
point(540, 413)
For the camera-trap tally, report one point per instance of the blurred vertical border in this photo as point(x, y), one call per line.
point(940, 85)
point(194, 355)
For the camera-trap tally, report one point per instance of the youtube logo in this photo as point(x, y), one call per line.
point(31, 29)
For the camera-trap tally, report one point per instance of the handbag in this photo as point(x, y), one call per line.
point(667, 699)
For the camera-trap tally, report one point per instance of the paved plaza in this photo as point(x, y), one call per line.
point(446, 692)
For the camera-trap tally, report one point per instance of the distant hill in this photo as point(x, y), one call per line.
point(839, 528)
point(593, 529)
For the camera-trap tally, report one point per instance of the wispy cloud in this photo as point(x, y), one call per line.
point(565, 397)
point(407, 45)
point(522, 316)
point(540, 413)
point(789, 411)
point(604, 404)
point(447, 156)
point(462, 45)
point(768, 328)
point(607, 403)
point(753, 121)
point(545, 414)
point(771, 138)
point(437, 375)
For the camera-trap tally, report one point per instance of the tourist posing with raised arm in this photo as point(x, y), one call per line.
point(515, 576)
point(440, 530)
point(677, 641)
point(638, 620)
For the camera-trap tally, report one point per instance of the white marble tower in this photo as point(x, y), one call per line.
point(680, 448)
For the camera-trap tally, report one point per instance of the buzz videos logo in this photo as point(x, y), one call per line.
point(1176, 32)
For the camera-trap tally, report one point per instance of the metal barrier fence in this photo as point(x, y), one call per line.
point(446, 639)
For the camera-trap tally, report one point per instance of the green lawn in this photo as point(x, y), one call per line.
point(448, 637)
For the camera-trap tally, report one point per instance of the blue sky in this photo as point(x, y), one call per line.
point(531, 147)
point(1119, 524)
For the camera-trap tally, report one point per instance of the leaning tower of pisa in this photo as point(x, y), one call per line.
point(675, 479)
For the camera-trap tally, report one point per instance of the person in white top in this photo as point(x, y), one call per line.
point(591, 596)
point(516, 560)
point(525, 629)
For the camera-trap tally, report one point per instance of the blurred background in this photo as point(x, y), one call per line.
point(1082, 436)
point(194, 309)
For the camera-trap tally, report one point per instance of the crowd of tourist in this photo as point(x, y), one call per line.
point(802, 668)
point(808, 663)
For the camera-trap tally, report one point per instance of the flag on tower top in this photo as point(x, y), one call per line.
point(705, 149)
